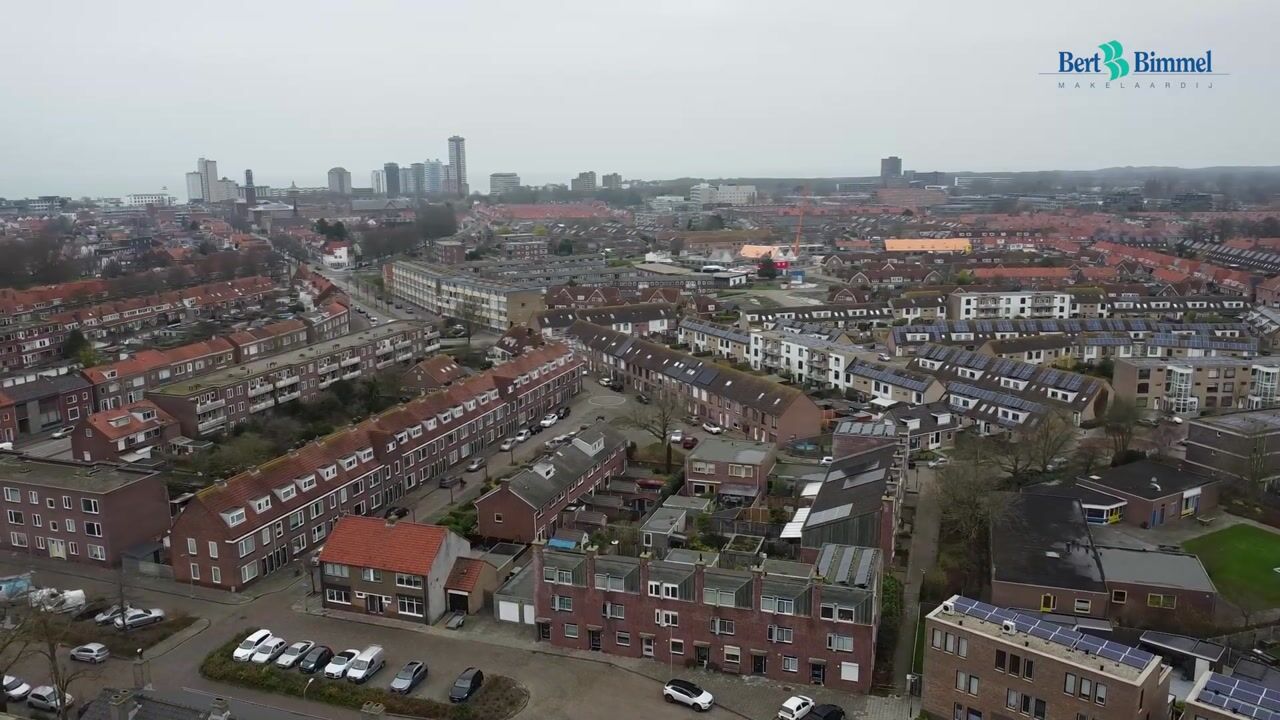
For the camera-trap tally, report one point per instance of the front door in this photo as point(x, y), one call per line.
point(646, 647)
point(57, 549)
point(817, 674)
point(373, 604)
point(758, 664)
point(702, 654)
point(593, 636)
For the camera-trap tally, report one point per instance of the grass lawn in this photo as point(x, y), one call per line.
point(1240, 559)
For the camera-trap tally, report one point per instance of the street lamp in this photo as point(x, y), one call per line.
point(308, 687)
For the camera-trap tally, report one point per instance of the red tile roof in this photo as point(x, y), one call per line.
point(144, 361)
point(1023, 272)
point(103, 423)
point(403, 547)
point(465, 574)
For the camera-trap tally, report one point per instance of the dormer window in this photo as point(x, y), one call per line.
point(329, 472)
point(470, 405)
point(306, 483)
point(287, 493)
point(262, 504)
point(365, 455)
point(234, 517)
point(415, 431)
point(348, 462)
point(431, 424)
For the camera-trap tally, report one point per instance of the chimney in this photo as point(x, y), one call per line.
point(220, 710)
point(121, 705)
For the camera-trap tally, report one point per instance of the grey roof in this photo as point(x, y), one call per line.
point(1247, 423)
point(642, 312)
point(689, 557)
point(146, 708)
point(1148, 479)
point(663, 520)
point(1154, 567)
point(720, 449)
point(1043, 540)
point(853, 486)
point(44, 387)
point(1186, 645)
point(686, 502)
point(1088, 497)
point(726, 332)
point(569, 463)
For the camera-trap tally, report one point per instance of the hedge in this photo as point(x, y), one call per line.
point(500, 697)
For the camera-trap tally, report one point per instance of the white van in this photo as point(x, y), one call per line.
point(368, 662)
point(249, 645)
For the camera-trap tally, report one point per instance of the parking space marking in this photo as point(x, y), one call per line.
point(607, 401)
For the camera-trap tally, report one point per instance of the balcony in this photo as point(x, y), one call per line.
point(257, 390)
point(403, 344)
point(404, 356)
point(202, 408)
point(263, 405)
point(286, 397)
point(383, 350)
point(211, 423)
point(322, 369)
point(286, 382)
point(326, 383)
point(348, 362)
point(382, 363)
point(351, 375)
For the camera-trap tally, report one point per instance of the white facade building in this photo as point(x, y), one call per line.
point(144, 199)
point(500, 183)
point(708, 194)
point(378, 180)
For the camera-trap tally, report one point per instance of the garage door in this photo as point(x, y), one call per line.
point(849, 671)
point(508, 611)
point(528, 614)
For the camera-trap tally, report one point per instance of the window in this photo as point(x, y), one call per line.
point(671, 591)
point(1011, 700)
point(97, 552)
point(90, 506)
point(781, 606)
point(1086, 688)
point(74, 548)
point(1100, 693)
point(66, 502)
point(966, 682)
point(571, 630)
point(732, 654)
point(233, 517)
point(1048, 603)
point(287, 493)
point(780, 634)
point(248, 571)
point(936, 640)
point(622, 639)
point(666, 618)
point(1015, 665)
point(93, 529)
point(296, 519)
point(1069, 685)
point(245, 546)
point(16, 517)
point(262, 504)
point(677, 647)
point(195, 571)
point(1119, 596)
point(1002, 659)
point(558, 576)
point(33, 496)
point(70, 526)
point(53, 526)
point(790, 664)
point(562, 603)
point(408, 581)
point(1038, 711)
point(334, 595)
point(1028, 666)
point(608, 582)
point(1083, 606)
point(839, 643)
point(318, 533)
point(39, 542)
point(1164, 602)
point(720, 626)
point(497, 518)
point(18, 539)
point(371, 575)
point(949, 644)
point(409, 605)
point(12, 495)
point(613, 610)
point(962, 647)
point(215, 575)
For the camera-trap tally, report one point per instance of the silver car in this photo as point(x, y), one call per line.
point(91, 653)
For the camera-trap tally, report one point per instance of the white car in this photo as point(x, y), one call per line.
point(62, 432)
point(939, 461)
point(796, 707)
point(46, 698)
point(677, 436)
point(269, 650)
point(337, 667)
point(294, 653)
point(15, 688)
point(686, 693)
point(508, 444)
point(91, 653)
point(883, 357)
point(827, 460)
point(249, 645)
point(136, 618)
point(605, 382)
point(110, 614)
point(712, 428)
point(549, 419)
point(523, 435)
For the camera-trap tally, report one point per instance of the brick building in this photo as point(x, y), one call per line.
point(737, 470)
point(29, 406)
point(272, 339)
point(126, 434)
point(791, 622)
point(984, 661)
point(79, 512)
point(1244, 445)
point(127, 381)
point(1186, 386)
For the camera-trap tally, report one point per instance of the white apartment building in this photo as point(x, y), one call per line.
point(493, 305)
point(144, 199)
point(1013, 304)
point(500, 183)
point(708, 194)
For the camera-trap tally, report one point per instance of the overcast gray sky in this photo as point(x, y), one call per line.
point(116, 97)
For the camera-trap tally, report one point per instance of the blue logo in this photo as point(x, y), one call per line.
point(1113, 62)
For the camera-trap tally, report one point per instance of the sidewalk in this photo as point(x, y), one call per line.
point(922, 556)
point(748, 697)
point(12, 563)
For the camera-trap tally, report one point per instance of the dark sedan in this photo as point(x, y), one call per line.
point(413, 672)
point(314, 661)
point(466, 685)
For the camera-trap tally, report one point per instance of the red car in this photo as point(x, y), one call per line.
point(690, 442)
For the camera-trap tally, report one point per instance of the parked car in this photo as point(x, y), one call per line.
point(689, 443)
point(396, 512)
point(293, 654)
point(449, 481)
point(138, 617)
point(91, 653)
point(712, 428)
point(466, 685)
point(883, 357)
point(510, 443)
point(606, 381)
point(16, 689)
point(367, 664)
point(249, 645)
point(939, 461)
point(827, 712)
point(109, 615)
point(62, 432)
point(315, 660)
point(269, 650)
point(616, 385)
point(1148, 422)
point(339, 663)
point(563, 412)
point(48, 699)
point(475, 464)
point(677, 436)
point(686, 693)
point(536, 428)
point(795, 707)
point(413, 673)
point(522, 436)
point(549, 419)
point(642, 399)
point(827, 459)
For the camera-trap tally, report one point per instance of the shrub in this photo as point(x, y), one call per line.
point(499, 697)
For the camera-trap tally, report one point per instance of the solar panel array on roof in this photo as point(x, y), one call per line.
point(890, 377)
point(1057, 634)
point(1241, 697)
point(998, 398)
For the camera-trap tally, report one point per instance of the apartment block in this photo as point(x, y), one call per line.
point(79, 512)
point(985, 661)
point(803, 623)
point(32, 404)
point(492, 304)
point(217, 401)
point(1230, 697)
point(127, 381)
point(642, 320)
point(1241, 444)
point(723, 341)
point(271, 339)
point(1186, 386)
point(1009, 304)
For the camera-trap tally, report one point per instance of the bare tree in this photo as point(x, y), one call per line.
point(1092, 453)
point(1120, 419)
point(1048, 440)
point(471, 314)
point(658, 418)
point(1252, 467)
point(969, 496)
point(47, 630)
point(14, 640)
